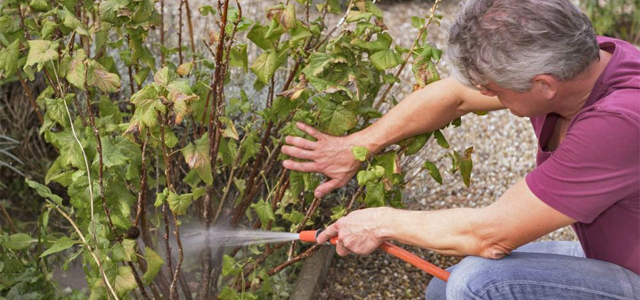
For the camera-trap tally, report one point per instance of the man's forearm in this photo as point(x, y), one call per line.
point(422, 111)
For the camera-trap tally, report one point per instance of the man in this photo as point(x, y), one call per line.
point(542, 60)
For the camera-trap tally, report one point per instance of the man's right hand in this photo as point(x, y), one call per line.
point(329, 155)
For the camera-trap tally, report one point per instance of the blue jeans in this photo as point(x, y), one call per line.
point(544, 270)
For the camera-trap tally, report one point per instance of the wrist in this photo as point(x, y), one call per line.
point(366, 139)
point(386, 220)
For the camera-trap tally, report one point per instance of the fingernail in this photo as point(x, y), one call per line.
point(318, 194)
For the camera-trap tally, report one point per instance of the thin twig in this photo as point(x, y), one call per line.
point(84, 241)
point(409, 54)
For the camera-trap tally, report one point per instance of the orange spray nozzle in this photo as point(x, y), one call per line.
point(397, 251)
point(311, 236)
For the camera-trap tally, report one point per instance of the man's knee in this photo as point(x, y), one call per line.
point(470, 277)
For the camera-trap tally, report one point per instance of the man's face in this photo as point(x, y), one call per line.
point(521, 104)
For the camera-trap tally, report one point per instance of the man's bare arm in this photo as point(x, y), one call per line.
point(515, 219)
point(422, 111)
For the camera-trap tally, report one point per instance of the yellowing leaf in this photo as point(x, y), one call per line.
point(184, 69)
point(196, 155)
point(98, 76)
point(76, 72)
point(360, 153)
point(288, 17)
point(125, 282)
point(41, 52)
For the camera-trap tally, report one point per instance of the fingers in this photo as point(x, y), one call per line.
point(298, 153)
point(328, 233)
point(301, 142)
point(300, 166)
point(310, 130)
point(341, 249)
point(327, 187)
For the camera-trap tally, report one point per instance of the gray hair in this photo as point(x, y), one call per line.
point(509, 42)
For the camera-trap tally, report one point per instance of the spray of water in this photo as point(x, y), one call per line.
point(217, 237)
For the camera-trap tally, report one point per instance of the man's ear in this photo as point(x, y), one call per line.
point(547, 85)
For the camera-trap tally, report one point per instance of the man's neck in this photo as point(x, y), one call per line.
point(575, 92)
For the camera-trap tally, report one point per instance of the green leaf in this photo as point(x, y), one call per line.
point(61, 244)
point(44, 191)
point(207, 9)
point(364, 177)
point(375, 194)
point(154, 263)
point(414, 144)
point(18, 241)
point(266, 65)
point(99, 77)
point(382, 43)
point(142, 75)
point(229, 294)
point(239, 57)
point(417, 22)
point(338, 212)
point(433, 171)
point(109, 9)
point(125, 281)
point(9, 58)
point(179, 203)
point(118, 254)
point(56, 111)
point(385, 59)
point(48, 27)
point(294, 217)
point(170, 138)
point(389, 162)
point(229, 266)
point(264, 211)
point(72, 23)
point(360, 153)
point(299, 33)
point(258, 35)
point(112, 154)
point(337, 121)
point(442, 141)
point(40, 5)
point(334, 6)
point(41, 52)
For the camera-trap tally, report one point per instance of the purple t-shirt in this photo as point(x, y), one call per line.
point(593, 176)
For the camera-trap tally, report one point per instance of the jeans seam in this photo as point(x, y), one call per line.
point(530, 282)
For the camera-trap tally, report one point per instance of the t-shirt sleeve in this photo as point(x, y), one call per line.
point(596, 165)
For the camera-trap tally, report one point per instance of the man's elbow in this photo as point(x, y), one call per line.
point(493, 247)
